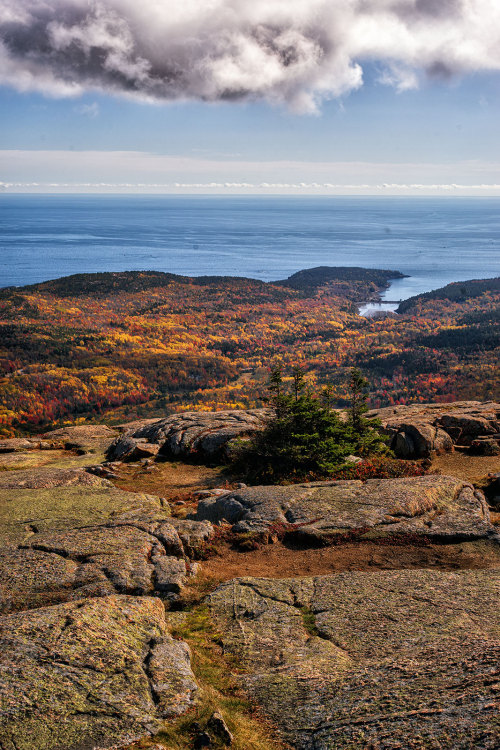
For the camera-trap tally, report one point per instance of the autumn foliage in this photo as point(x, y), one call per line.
point(124, 344)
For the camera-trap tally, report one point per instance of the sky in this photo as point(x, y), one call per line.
point(261, 96)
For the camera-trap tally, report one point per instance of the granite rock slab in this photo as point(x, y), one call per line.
point(137, 557)
point(390, 659)
point(437, 507)
point(89, 675)
point(46, 499)
point(82, 438)
point(187, 434)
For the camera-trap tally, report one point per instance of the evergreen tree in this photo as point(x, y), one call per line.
point(365, 434)
point(304, 438)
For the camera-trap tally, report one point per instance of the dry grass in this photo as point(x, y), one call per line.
point(217, 676)
point(473, 469)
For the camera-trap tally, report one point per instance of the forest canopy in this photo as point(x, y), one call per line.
point(118, 345)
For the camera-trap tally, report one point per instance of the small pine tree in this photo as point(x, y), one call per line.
point(367, 438)
point(303, 438)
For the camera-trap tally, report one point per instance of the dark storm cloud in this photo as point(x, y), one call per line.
point(294, 51)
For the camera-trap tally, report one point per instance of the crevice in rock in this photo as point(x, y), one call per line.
point(250, 585)
point(146, 667)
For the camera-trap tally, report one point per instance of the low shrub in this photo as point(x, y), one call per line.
point(380, 467)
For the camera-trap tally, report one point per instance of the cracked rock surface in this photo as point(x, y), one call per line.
point(432, 506)
point(205, 434)
point(89, 674)
point(47, 499)
point(84, 663)
point(400, 659)
point(66, 534)
point(418, 429)
point(136, 557)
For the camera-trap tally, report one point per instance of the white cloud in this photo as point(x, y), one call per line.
point(294, 51)
point(137, 171)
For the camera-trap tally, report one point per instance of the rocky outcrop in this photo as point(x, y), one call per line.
point(356, 660)
point(90, 438)
point(14, 445)
point(131, 554)
point(45, 499)
point(49, 478)
point(81, 439)
point(66, 534)
point(128, 558)
point(196, 433)
point(437, 507)
point(84, 663)
point(416, 430)
point(392, 659)
point(90, 674)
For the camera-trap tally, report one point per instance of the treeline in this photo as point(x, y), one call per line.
point(113, 344)
point(457, 291)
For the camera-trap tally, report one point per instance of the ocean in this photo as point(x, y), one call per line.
point(434, 240)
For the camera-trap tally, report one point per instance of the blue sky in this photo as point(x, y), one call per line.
point(430, 136)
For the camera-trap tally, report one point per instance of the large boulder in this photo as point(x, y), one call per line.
point(392, 659)
point(439, 507)
point(91, 674)
point(196, 433)
point(418, 439)
point(485, 447)
point(417, 430)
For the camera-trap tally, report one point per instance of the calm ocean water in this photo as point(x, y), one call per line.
point(433, 240)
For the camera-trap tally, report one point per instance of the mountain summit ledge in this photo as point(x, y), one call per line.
point(124, 626)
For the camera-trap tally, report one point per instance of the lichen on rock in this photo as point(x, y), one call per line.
point(401, 658)
point(89, 674)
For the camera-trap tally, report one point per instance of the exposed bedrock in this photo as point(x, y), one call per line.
point(81, 439)
point(47, 499)
point(84, 663)
point(190, 433)
point(136, 556)
point(66, 534)
point(392, 659)
point(415, 431)
point(90, 674)
point(438, 507)
point(419, 429)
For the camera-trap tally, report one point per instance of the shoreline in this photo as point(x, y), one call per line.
point(375, 304)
